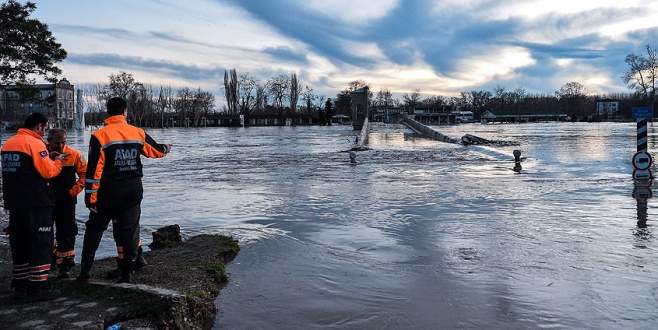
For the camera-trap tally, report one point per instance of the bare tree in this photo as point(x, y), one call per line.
point(165, 102)
point(278, 88)
point(384, 98)
point(570, 90)
point(247, 87)
point(356, 84)
point(261, 97)
point(637, 75)
point(122, 85)
point(411, 100)
point(652, 69)
point(308, 97)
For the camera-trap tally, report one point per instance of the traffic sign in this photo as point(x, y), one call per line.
point(642, 175)
point(642, 160)
point(642, 113)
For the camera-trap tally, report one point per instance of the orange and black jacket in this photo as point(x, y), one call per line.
point(26, 169)
point(65, 185)
point(114, 172)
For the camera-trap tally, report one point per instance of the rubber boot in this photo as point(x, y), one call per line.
point(141, 261)
point(20, 290)
point(127, 268)
point(139, 264)
point(41, 291)
point(85, 270)
point(114, 273)
point(65, 268)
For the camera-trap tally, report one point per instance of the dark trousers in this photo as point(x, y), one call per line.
point(66, 229)
point(31, 241)
point(125, 229)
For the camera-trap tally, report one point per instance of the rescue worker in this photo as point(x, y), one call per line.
point(66, 189)
point(26, 168)
point(113, 187)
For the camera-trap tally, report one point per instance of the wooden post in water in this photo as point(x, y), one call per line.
point(352, 157)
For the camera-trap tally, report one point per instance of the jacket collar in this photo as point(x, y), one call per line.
point(118, 119)
point(29, 132)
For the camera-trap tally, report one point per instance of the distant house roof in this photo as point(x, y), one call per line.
point(64, 83)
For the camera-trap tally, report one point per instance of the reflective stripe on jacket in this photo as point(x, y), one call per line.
point(114, 170)
point(26, 167)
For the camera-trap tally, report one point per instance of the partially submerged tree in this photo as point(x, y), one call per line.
point(27, 47)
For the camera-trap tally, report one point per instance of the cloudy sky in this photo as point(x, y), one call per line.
point(437, 46)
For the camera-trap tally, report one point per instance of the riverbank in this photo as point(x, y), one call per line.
point(177, 290)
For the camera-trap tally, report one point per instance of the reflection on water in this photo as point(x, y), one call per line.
point(419, 234)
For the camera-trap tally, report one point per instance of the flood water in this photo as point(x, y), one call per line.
point(419, 234)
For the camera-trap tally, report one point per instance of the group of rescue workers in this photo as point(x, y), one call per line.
point(40, 189)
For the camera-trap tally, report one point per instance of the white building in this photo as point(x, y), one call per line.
point(607, 108)
point(56, 101)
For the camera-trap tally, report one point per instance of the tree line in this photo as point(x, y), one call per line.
point(150, 106)
point(278, 96)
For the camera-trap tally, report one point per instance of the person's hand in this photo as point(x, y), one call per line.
point(92, 208)
point(57, 156)
point(168, 147)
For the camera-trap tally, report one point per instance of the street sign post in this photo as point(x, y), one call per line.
point(642, 113)
point(642, 160)
point(642, 175)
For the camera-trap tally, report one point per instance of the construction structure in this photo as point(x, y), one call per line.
point(359, 101)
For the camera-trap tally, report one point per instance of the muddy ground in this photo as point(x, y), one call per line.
point(177, 290)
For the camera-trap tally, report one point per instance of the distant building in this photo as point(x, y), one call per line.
point(517, 116)
point(341, 119)
point(463, 116)
point(386, 114)
point(607, 108)
point(433, 115)
point(56, 101)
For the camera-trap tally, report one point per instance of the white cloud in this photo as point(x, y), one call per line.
point(350, 11)
point(494, 62)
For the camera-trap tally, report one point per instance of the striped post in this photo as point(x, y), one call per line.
point(642, 135)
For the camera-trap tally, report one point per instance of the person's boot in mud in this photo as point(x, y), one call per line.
point(139, 264)
point(41, 291)
point(127, 269)
point(85, 269)
point(64, 268)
